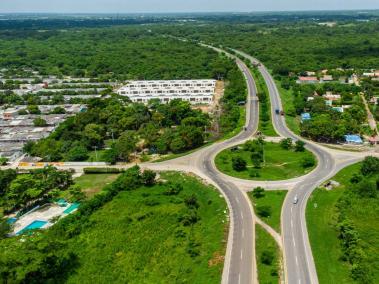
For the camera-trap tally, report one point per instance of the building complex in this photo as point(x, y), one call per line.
point(193, 91)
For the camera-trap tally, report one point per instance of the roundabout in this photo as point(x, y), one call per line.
point(261, 160)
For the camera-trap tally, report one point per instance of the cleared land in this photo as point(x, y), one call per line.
point(138, 237)
point(279, 163)
point(94, 183)
point(322, 218)
point(273, 200)
point(268, 257)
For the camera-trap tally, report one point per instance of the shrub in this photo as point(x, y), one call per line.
point(299, 146)
point(267, 257)
point(173, 189)
point(254, 173)
point(191, 202)
point(148, 177)
point(308, 162)
point(286, 143)
point(258, 192)
point(264, 210)
point(103, 170)
point(370, 165)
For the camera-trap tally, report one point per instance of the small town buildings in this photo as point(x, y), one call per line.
point(193, 91)
point(332, 97)
point(327, 78)
point(307, 80)
point(353, 139)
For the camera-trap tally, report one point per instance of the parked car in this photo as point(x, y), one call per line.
point(295, 199)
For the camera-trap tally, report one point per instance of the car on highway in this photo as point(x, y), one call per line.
point(277, 111)
point(295, 199)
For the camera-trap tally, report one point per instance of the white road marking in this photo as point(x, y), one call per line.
point(238, 201)
point(241, 254)
point(241, 216)
point(293, 241)
point(239, 278)
point(291, 223)
point(243, 232)
point(297, 263)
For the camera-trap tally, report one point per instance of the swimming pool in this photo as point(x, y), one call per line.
point(37, 224)
point(72, 208)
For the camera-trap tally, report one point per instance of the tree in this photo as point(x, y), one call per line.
point(264, 210)
point(299, 146)
point(77, 153)
point(58, 110)
point(257, 159)
point(148, 177)
point(370, 165)
point(93, 133)
point(39, 122)
point(33, 109)
point(3, 161)
point(110, 156)
point(238, 164)
point(76, 193)
point(258, 192)
point(286, 143)
point(126, 144)
point(5, 229)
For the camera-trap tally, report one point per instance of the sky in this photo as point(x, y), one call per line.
point(162, 6)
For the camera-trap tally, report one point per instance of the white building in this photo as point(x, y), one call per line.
point(194, 91)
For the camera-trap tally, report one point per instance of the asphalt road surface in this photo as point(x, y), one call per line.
point(241, 266)
point(299, 263)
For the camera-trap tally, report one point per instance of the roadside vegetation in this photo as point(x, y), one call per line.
point(268, 257)
point(345, 220)
point(261, 160)
point(268, 205)
point(135, 230)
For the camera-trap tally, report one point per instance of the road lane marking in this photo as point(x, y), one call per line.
point(297, 263)
point(239, 278)
point(241, 216)
point(241, 254)
point(243, 232)
point(293, 240)
point(291, 223)
point(238, 201)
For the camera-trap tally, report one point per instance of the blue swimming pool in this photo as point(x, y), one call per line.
point(11, 220)
point(32, 226)
point(72, 207)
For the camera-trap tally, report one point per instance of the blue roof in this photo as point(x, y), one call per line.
point(305, 116)
point(353, 138)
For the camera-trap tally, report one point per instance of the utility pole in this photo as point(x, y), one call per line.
point(95, 152)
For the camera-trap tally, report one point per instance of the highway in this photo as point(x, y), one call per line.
point(239, 265)
point(298, 259)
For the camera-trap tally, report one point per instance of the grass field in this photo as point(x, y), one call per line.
point(274, 199)
point(266, 249)
point(293, 122)
point(94, 183)
point(138, 237)
point(280, 164)
point(265, 127)
point(322, 215)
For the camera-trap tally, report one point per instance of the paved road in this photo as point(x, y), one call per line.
point(299, 261)
point(241, 265)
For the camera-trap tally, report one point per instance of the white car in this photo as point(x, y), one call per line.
point(295, 199)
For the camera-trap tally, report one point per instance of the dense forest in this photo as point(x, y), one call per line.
point(122, 53)
point(295, 47)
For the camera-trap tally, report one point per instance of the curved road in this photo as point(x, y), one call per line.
point(299, 263)
point(240, 265)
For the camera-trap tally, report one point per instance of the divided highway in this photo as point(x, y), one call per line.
point(299, 263)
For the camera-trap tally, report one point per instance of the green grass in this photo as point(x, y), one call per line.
point(280, 164)
point(138, 237)
point(267, 273)
point(265, 127)
point(322, 214)
point(94, 183)
point(274, 199)
point(293, 122)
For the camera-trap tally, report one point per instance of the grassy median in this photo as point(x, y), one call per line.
point(279, 163)
point(268, 257)
point(268, 206)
